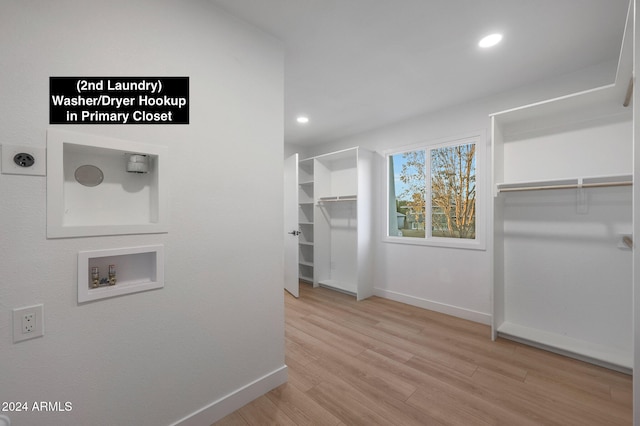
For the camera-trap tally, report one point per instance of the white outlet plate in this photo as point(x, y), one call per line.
point(19, 325)
point(9, 167)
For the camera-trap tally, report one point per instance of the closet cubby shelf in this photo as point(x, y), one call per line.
point(306, 202)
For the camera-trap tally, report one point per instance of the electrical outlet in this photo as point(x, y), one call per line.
point(24, 160)
point(28, 323)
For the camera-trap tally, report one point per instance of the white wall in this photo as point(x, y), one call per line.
point(636, 224)
point(454, 281)
point(150, 358)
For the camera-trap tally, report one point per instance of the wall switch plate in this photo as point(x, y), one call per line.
point(24, 160)
point(28, 323)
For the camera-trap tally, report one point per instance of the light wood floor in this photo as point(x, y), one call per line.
point(378, 362)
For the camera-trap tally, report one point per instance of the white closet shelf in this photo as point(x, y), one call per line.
point(592, 352)
point(571, 183)
point(572, 108)
point(305, 263)
point(306, 183)
point(306, 243)
point(337, 198)
point(345, 287)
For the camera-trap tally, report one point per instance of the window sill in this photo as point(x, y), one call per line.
point(438, 242)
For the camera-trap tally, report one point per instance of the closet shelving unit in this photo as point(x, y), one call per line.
point(562, 171)
point(342, 223)
point(305, 220)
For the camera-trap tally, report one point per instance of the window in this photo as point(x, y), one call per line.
point(433, 194)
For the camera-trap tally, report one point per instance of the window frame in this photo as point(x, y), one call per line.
point(479, 242)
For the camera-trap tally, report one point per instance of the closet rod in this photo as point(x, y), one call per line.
point(570, 186)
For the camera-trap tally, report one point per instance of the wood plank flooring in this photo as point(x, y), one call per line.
point(379, 362)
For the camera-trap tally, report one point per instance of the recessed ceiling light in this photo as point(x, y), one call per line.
point(490, 40)
point(301, 119)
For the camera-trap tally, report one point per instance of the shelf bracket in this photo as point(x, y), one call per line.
point(582, 207)
point(629, 95)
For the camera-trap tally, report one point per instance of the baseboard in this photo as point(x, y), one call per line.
point(226, 405)
point(443, 308)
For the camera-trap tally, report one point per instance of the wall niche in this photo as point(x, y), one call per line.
point(98, 185)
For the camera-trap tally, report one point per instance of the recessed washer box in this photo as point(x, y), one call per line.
point(136, 269)
point(90, 191)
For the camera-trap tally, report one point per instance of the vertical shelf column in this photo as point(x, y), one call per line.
point(306, 220)
point(335, 221)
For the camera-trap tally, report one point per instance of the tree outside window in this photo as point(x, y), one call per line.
point(410, 182)
point(453, 191)
point(445, 186)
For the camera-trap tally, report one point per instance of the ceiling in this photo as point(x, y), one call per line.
point(355, 65)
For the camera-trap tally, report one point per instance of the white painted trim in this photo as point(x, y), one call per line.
point(226, 405)
point(443, 308)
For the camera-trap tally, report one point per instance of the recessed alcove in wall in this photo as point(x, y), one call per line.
point(92, 189)
point(135, 269)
